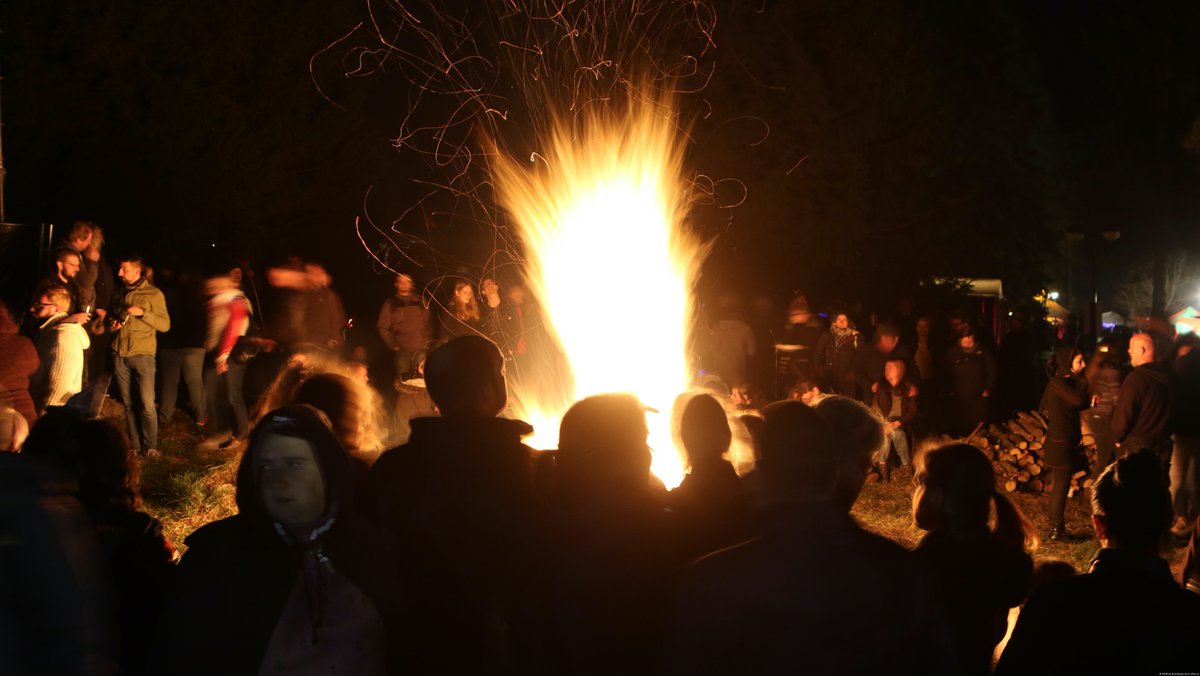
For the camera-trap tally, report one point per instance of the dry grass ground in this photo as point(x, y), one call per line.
point(187, 488)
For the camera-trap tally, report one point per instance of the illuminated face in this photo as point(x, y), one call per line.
point(1077, 364)
point(44, 308)
point(464, 293)
point(404, 285)
point(293, 489)
point(888, 343)
point(967, 343)
point(894, 371)
point(129, 272)
point(810, 397)
point(68, 267)
point(841, 321)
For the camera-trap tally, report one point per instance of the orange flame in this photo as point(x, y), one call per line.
point(602, 215)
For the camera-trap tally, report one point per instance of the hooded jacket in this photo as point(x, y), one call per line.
point(1143, 411)
point(239, 573)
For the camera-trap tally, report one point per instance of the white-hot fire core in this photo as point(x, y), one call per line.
point(601, 211)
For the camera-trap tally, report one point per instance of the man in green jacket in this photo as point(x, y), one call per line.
point(139, 312)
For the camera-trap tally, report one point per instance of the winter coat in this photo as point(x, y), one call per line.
point(463, 494)
point(138, 335)
point(139, 566)
point(971, 373)
point(978, 580)
point(18, 361)
point(712, 508)
point(813, 594)
point(241, 575)
point(1143, 411)
point(612, 558)
point(869, 367)
point(835, 355)
point(1151, 624)
point(882, 400)
point(404, 324)
point(1062, 401)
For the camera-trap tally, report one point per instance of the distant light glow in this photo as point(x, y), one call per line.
point(1053, 295)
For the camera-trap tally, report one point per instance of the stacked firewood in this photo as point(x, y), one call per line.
point(1015, 448)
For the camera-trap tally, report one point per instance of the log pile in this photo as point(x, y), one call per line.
point(1015, 448)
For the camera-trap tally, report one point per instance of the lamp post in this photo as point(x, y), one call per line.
point(1075, 235)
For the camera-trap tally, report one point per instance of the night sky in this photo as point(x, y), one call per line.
point(879, 143)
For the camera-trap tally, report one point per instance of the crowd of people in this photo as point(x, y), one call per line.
point(457, 548)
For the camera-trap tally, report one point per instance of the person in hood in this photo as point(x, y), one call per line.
point(295, 582)
point(463, 491)
point(1142, 417)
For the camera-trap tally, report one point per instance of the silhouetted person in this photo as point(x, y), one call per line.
point(1142, 418)
point(813, 593)
point(1148, 622)
point(49, 590)
point(296, 581)
point(1185, 456)
point(1018, 362)
point(710, 500)
point(1062, 401)
point(461, 494)
point(613, 550)
point(979, 573)
point(1103, 376)
point(134, 559)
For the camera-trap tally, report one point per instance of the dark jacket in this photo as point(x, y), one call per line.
point(138, 565)
point(1148, 624)
point(971, 373)
point(1062, 401)
point(835, 356)
point(463, 494)
point(882, 399)
point(869, 368)
point(238, 575)
point(978, 580)
point(1143, 411)
point(712, 509)
point(1186, 400)
point(814, 594)
point(611, 560)
point(1104, 383)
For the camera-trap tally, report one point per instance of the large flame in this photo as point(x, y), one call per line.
point(601, 216)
